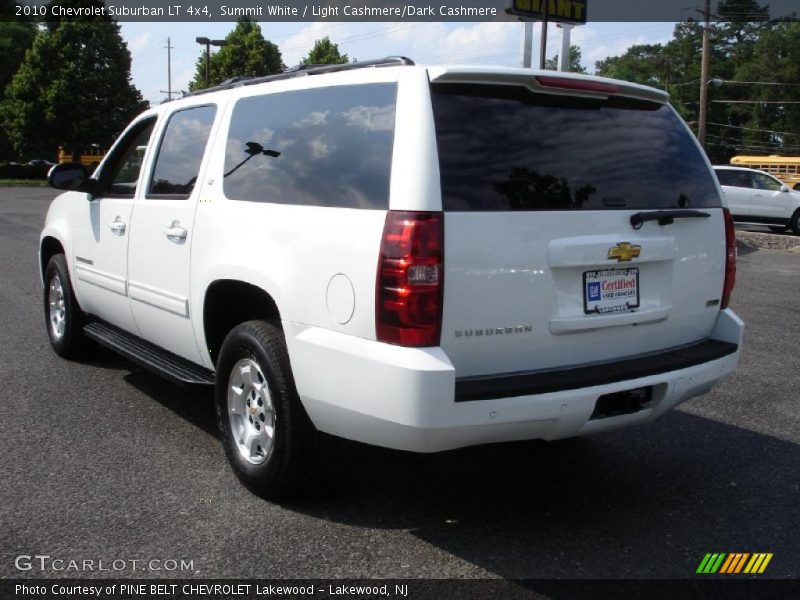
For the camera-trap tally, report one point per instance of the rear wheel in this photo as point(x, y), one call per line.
point(795, 222)
point(63, 316)
point(268, 438)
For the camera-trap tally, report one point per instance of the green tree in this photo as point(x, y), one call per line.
point(15, 39)
point(8, 10)
point(246, 54)
point(16, 36)
point(574, 61)
point(73, 88)
point(325, 52)
point(647, 64)
point(772, 127)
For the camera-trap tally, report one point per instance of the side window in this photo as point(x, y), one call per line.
point(762, 182)
point(745, 180)
point(740, 179)
point(180, 153)
point(725, 177)
point(121, 173)
point(325, 147)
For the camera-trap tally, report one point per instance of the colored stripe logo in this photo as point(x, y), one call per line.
point(734, 563)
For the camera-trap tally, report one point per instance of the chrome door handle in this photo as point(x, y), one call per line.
point(176, 231)
point(118, 226)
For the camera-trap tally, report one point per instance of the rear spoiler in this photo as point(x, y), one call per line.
point(548, 82)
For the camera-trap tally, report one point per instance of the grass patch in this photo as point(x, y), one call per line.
point(23, 182)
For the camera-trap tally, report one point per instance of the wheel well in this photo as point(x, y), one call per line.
point(228, 303)
point(50, 247)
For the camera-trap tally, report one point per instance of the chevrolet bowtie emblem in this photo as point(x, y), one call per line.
point(624, 251)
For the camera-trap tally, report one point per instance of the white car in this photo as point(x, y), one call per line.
point(758, 198)
point(421, 258)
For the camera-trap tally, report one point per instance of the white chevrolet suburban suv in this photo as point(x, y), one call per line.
point(421, 258)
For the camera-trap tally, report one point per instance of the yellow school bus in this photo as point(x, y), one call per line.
point(89, 156)
point(785, 168)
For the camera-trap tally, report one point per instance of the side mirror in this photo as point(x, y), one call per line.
point(784, 188)
point(71, 177)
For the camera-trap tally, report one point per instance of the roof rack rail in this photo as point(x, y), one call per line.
point(305, 70)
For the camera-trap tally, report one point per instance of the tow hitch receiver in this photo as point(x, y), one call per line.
point(623, 403)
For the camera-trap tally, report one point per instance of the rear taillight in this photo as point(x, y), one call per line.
point(408, 294)
point(730, 258)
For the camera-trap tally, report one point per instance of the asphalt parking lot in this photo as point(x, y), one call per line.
point(101, 460)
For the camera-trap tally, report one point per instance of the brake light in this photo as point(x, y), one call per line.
point(582, 85)
point(730, 259)
point(408, 294)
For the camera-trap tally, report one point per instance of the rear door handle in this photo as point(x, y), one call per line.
point(176, 232)
point(118, 226)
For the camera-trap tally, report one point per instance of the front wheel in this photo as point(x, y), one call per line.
point(268, 437)
point(63, 316)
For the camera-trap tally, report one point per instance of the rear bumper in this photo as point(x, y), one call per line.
point(405, 398)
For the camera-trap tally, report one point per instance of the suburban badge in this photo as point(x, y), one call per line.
point(494, 331)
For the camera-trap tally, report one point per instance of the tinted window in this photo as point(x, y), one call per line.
point(734, 178)
point(725, 177)
point(323, 147)
point(506, 148)
point(126, 163)
point(181, 152)
point(762, 182)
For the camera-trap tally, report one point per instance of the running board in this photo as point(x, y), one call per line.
point(166, 364)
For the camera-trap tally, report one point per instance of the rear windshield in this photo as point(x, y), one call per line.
point(505, 148)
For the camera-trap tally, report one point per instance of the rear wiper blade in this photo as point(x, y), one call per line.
point(665, 217)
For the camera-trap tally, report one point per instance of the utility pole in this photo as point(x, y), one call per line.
point(563, 58)
point(543, 44)
point(701, 125)
point(527, 44)
point(168, 92)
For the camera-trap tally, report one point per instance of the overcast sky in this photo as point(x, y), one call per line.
point(461, 43)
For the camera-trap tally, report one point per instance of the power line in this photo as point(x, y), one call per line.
point(364, 35)
point(472, 54)
point(756, 101)
point(726, 81)
point(149, 55)
point(755, 129)
point(741, 143)
point(320, 30)
point(745, 148)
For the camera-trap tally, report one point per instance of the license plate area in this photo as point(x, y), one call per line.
point(610, 290)
point(623, 403)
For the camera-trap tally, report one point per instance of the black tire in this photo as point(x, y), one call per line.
point(286, 467)
point(67, 339)
point(778, 228)
point(795, 222)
